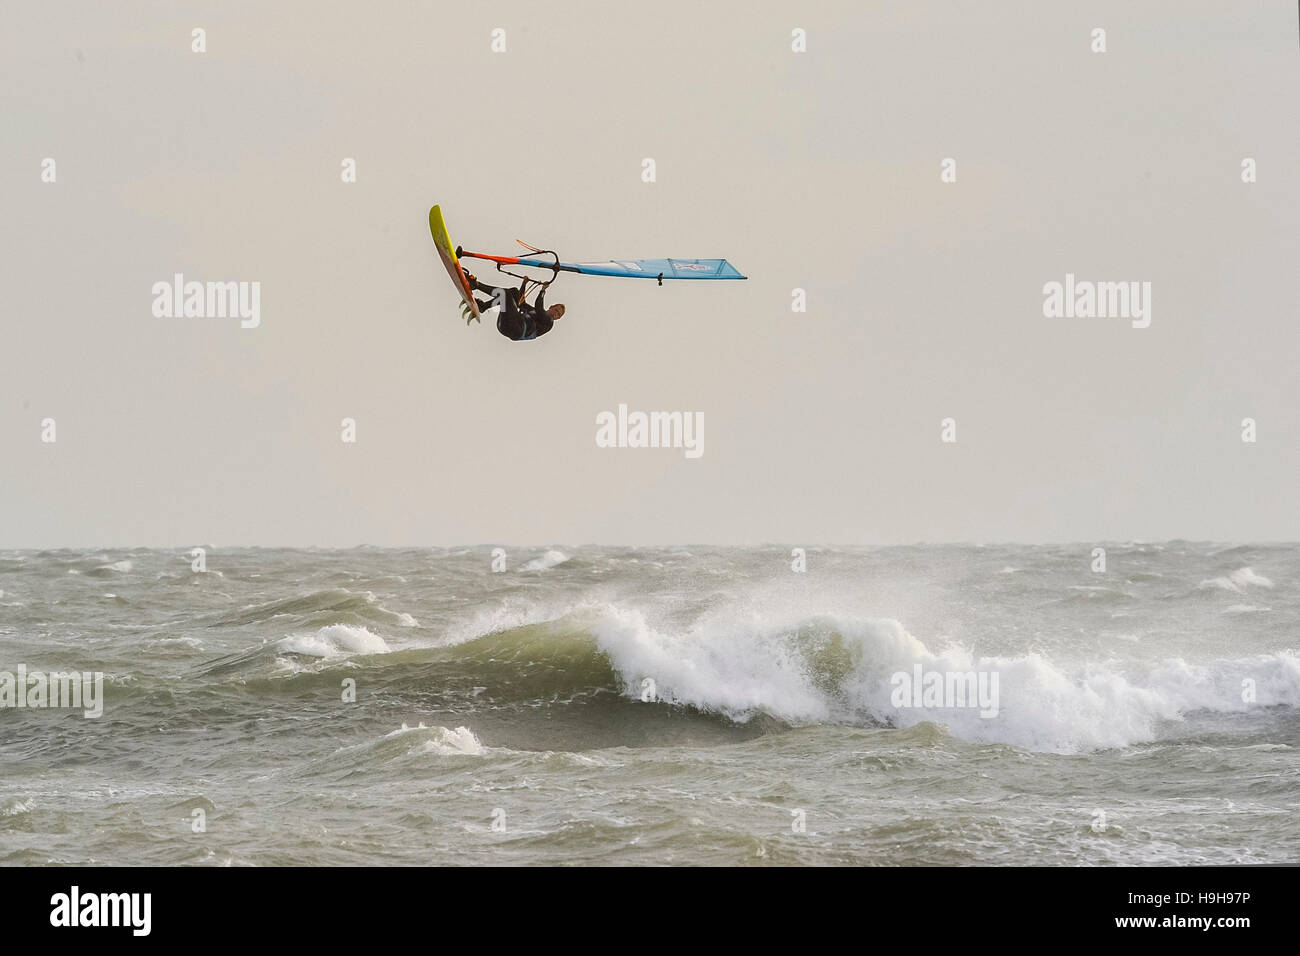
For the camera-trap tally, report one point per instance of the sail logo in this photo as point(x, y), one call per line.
point(208, 300)
point(692, 267)
point(624, 429)
point(1098, 300)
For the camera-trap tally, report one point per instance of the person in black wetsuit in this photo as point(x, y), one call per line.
point(518, 320)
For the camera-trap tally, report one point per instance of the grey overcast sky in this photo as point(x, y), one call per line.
point(818, 170)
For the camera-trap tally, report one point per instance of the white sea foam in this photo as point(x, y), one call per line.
point(444, 741)
point(548, 560)
point(179, 642)
point(335, 640)
point(1238, 581)
point(15, 808)
point(741, 667)
point(1245, 609)
point(459, 742)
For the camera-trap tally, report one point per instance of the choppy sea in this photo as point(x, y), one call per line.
point(691, 705)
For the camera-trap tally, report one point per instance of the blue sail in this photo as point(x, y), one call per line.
point(645, 268)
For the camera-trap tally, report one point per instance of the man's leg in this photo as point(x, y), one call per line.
point(498, 294)
point(494, 291)
point(511, 325)
point(510, 321)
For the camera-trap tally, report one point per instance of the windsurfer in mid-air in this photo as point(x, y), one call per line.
point(518, 320)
